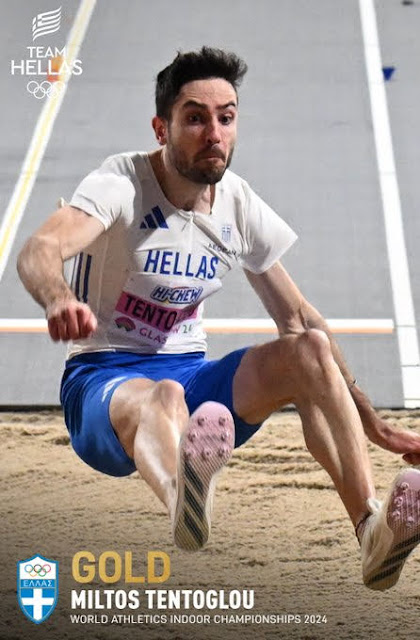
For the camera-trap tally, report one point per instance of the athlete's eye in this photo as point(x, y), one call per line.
point(226, 118)
point(194, 118)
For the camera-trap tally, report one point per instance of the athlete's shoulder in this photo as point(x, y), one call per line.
point(121, 163)
point(109, 190)
point(238, 187)
point(233, 183)
point(232, 179)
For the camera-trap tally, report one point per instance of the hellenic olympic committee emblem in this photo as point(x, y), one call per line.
point(37, 587)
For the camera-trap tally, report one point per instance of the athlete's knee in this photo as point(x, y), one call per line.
point(169, 394)
point(314, 356)
point(314, 342)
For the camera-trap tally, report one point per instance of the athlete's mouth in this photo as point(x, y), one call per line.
point(211, 155)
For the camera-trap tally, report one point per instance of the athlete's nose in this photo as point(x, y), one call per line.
point(213, 131)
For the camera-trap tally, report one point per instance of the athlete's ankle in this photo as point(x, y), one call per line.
point(170, 492)
point(361, 526)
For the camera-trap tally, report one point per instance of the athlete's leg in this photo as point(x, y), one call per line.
point(177, 455)
point(149, 418)
point(301, 369)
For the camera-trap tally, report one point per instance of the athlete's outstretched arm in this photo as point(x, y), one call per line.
point(292, 313)
point(40, 265)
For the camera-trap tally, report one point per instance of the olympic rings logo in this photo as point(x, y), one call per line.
point(37, 570)
point(45, 88)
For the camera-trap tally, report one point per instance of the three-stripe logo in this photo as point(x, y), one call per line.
point(154, 220)
point(80, 279)
point(194, 505)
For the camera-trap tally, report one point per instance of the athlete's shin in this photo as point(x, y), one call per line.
point(163, 417)
point(332, 427)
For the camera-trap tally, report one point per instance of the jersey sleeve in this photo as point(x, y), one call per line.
point(106, 191)
point(266, 236)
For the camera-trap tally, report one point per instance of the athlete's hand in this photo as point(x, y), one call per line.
point(398, 441)
point(384, 434)
point(70, 319)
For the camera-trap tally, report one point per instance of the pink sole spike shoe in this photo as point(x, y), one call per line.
point(206, 446)
point(391, 532)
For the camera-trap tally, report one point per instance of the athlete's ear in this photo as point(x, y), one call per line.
point(160, 127)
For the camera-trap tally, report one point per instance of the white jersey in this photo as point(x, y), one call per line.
point(146, 277)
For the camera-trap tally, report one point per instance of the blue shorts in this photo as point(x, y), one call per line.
point(90, 379)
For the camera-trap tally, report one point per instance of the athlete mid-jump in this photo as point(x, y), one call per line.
point(152, 236)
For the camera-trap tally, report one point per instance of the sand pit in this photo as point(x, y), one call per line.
point(279, 529)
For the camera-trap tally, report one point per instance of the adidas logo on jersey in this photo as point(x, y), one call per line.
point(154, 220)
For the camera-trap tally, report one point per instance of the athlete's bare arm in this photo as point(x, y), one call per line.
point(40, 265)
point(292, 313)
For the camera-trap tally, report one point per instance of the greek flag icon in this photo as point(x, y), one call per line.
point(226, 232)
point(37, 587)
point(45, 23)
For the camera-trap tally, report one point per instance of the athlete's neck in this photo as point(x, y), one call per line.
point(181, 192)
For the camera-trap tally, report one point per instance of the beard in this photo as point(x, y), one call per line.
point(199, 170)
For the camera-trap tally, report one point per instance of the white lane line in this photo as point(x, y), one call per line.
point(39, 141)
point(397, 254)
point(225, 325)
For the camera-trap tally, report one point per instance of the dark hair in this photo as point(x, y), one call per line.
point(195, 65)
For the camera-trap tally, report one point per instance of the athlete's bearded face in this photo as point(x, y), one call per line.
point(201, 133)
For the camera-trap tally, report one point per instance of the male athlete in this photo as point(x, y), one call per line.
point(153, 234)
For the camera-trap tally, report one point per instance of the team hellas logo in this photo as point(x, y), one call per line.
point(37, 587)
point(46, 23)
point(47, 67)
